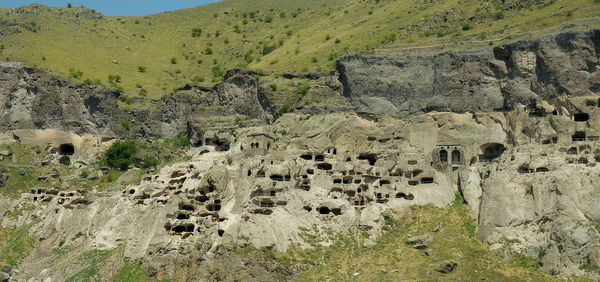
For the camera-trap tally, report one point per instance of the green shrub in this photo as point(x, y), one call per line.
point(208, 51)
point(92, 82)
point(126, 125)
point(196, 32)
point(266, 49)
point(174, 60)
point(114, 78)
point(76, 74)
point(85, 173)
point(389, 38)
point(498, 15)
point(181, 141)
point(268, 19)
point(217, 71)
point(149, 162)
point(285, 108)
point(120, 155)
point(141, 69)
point(338, 41)
point(467, 26)
point(197, 80)
point(302, 92)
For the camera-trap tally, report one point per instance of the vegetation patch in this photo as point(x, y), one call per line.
point(132, 272)
point(392, 259)
point(15, 245)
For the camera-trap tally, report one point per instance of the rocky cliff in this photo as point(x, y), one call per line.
point(489, 79)
point(513, 130)
point(30, 98)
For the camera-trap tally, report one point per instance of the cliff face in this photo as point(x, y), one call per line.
point(30, 98)
point(475, 80)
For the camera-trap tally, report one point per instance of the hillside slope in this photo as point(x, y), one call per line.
point(159, 52)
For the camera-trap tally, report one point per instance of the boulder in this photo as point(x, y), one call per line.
point(446, 266)
point(368, 244)
point(420, 241)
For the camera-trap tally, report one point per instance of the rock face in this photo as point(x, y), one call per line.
point(498, 78)
point(30, 98)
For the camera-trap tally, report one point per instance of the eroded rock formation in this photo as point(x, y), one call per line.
point(518, 140)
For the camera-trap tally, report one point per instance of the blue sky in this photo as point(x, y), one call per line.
point(115, 7)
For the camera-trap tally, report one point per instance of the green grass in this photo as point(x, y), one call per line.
point(15, 245)
point(162, 51)
point(93, 259)
point(132, 272)
point(454, 241)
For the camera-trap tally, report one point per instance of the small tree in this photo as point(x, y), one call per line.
point(120, 155)
point(69, 5)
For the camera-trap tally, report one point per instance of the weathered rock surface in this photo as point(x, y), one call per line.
point(496, 78)
point(30, 98)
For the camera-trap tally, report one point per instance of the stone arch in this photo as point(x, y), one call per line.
point(443, 156)
point(456, 157)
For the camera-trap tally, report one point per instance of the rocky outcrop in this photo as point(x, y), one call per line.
point(30, 98)
point(489, 79)
point(265, 186)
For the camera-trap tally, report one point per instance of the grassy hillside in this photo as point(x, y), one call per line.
point(152, 54)
point(392, 259)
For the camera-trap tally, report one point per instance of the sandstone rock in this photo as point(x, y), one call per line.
point(420, 241)
point(446, 266)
